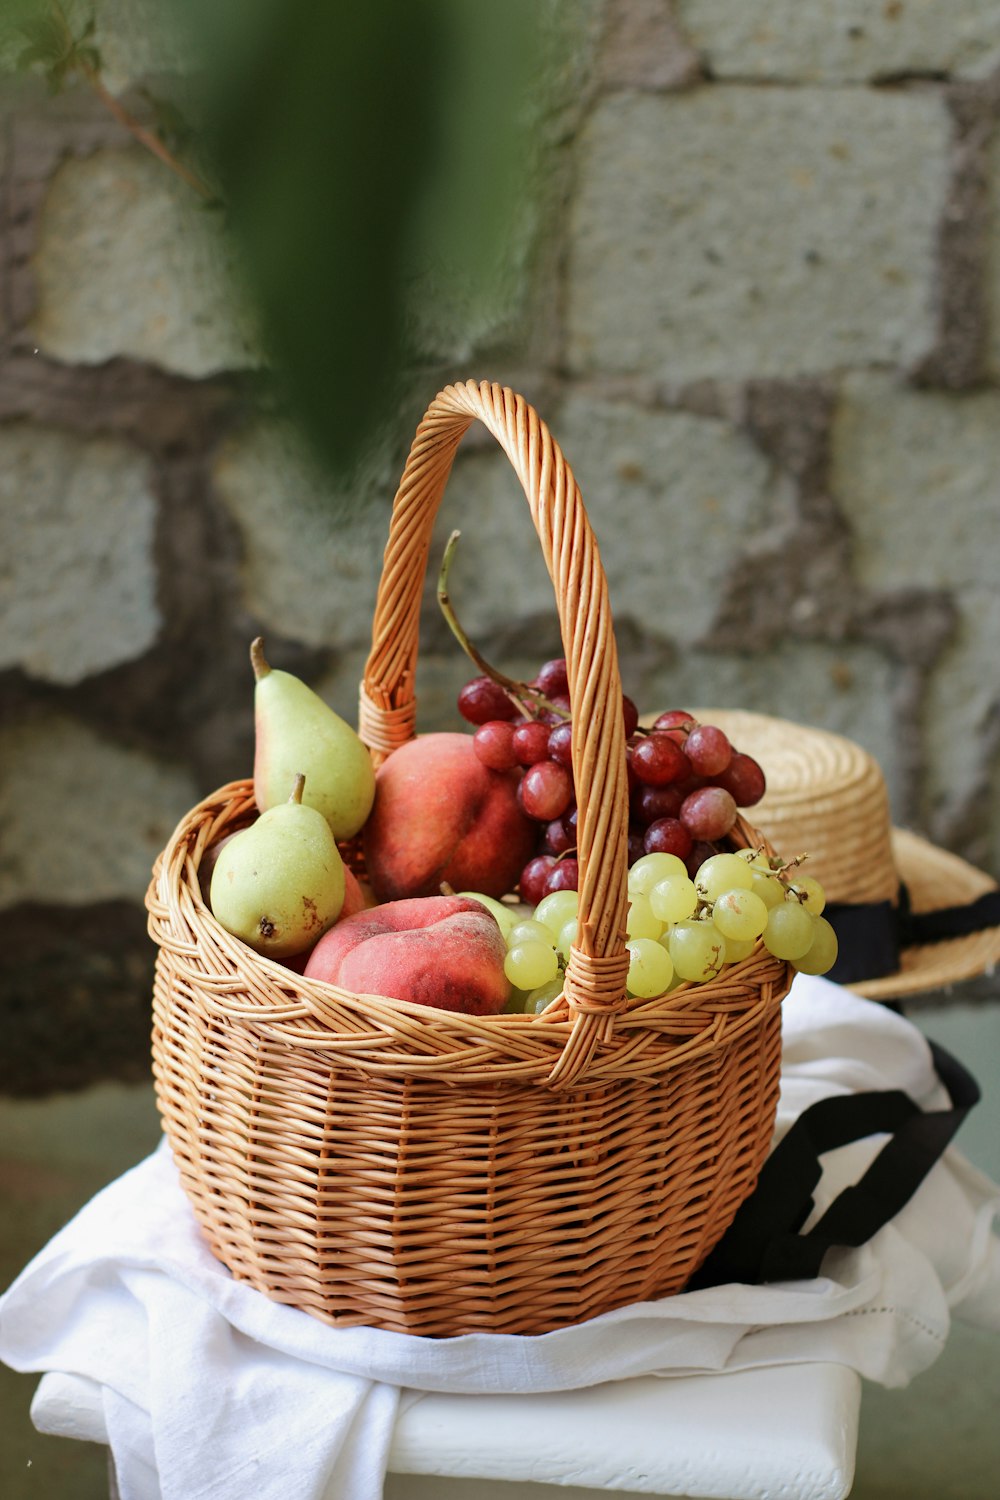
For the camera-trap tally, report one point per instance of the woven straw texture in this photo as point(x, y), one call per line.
point(373, 1161)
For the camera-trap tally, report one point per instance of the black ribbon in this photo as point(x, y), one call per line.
point(764, 1242)
point(872, 935)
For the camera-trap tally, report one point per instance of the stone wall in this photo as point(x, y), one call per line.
point(760, 315)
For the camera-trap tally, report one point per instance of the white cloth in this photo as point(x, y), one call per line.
point(211, 1390)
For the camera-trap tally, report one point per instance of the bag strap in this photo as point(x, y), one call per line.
point(764, 1242)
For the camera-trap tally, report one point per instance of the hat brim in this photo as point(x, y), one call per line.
point(935, 878)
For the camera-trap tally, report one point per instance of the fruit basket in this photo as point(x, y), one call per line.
point(374, 1161)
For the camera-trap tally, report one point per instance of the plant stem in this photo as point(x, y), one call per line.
point(527, 698)
point(139, 131)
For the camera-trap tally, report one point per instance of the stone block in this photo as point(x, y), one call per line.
point(130, 262)
point(675, 501)
point(916, 473)
point(992, 273)
point(140, 39)
point(78, 576)
point(852, 41)
point(83, 818)
point(644, 48)
point(312, 553)
point(739, 231)
point(76, 986)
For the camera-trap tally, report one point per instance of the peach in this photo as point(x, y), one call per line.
point(445, 951)
point(440, 815)
point(354, 896)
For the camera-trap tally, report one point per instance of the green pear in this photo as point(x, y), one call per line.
point(279, 884)
point(296, 731)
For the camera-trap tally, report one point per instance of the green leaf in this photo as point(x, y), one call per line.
point(337, 133)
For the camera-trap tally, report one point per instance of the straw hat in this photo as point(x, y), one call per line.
point(826, 797)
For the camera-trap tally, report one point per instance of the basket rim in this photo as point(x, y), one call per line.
point(381, 1034)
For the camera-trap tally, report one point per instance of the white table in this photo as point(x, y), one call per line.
point(788, 1430)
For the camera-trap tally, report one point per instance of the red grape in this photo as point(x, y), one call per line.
point(630, 714)
point(561, 744)
point(631, 779)
point(545, 790)
point(667, 836)
point(652, 802)
point(691, 784)
point(552, 679)
point(481, 699)
point(533, 877)
point(700, 851)
point(531, 742)
point(708, 749)
point(558, 837)
point(657, 760)
point(493, 744)
point(744, 778)
point(636, 846)
point(561, 704)
point(677, 720)
point(708, 813)
point(565, 877)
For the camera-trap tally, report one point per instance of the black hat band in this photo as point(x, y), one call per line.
point(871, 935)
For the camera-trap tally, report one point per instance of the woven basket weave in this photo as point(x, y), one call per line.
point(372, 1161)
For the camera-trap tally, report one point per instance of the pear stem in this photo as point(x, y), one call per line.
point(258, 660)
point(300, 782)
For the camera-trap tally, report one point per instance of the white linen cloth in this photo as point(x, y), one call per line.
point(211, 1390)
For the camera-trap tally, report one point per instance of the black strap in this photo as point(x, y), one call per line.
point(951, 921)
point(763, 1243)
point(872, 934)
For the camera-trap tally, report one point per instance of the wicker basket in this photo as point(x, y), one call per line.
point(372, 1161)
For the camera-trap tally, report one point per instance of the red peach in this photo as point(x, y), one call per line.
point(445, 951)
point(440, 815)
point(354, 896)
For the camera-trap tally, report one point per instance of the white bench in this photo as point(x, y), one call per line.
point(788, 1430)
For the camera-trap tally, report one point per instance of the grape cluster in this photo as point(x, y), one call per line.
point(678, 928)
point(686, 780)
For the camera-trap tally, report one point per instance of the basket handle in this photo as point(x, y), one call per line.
point(598, 963)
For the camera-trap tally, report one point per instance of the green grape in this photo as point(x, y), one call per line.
point(722, 872)
point(740, 914)
point(527, 930)
point(789, 930)
point(528, 965)
point(506, 916)
point(568, 936)
point(809, 893)
point(650, 869)
point(821, 955)
point(673, 899)
point(697, 950)
point(737, 950)
point(543, 996)
point(768, 887)
point(556, 909)
point(640, 921)
point(650, 968)
point(515, 1002)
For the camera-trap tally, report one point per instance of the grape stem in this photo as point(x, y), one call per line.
point(528, 699)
